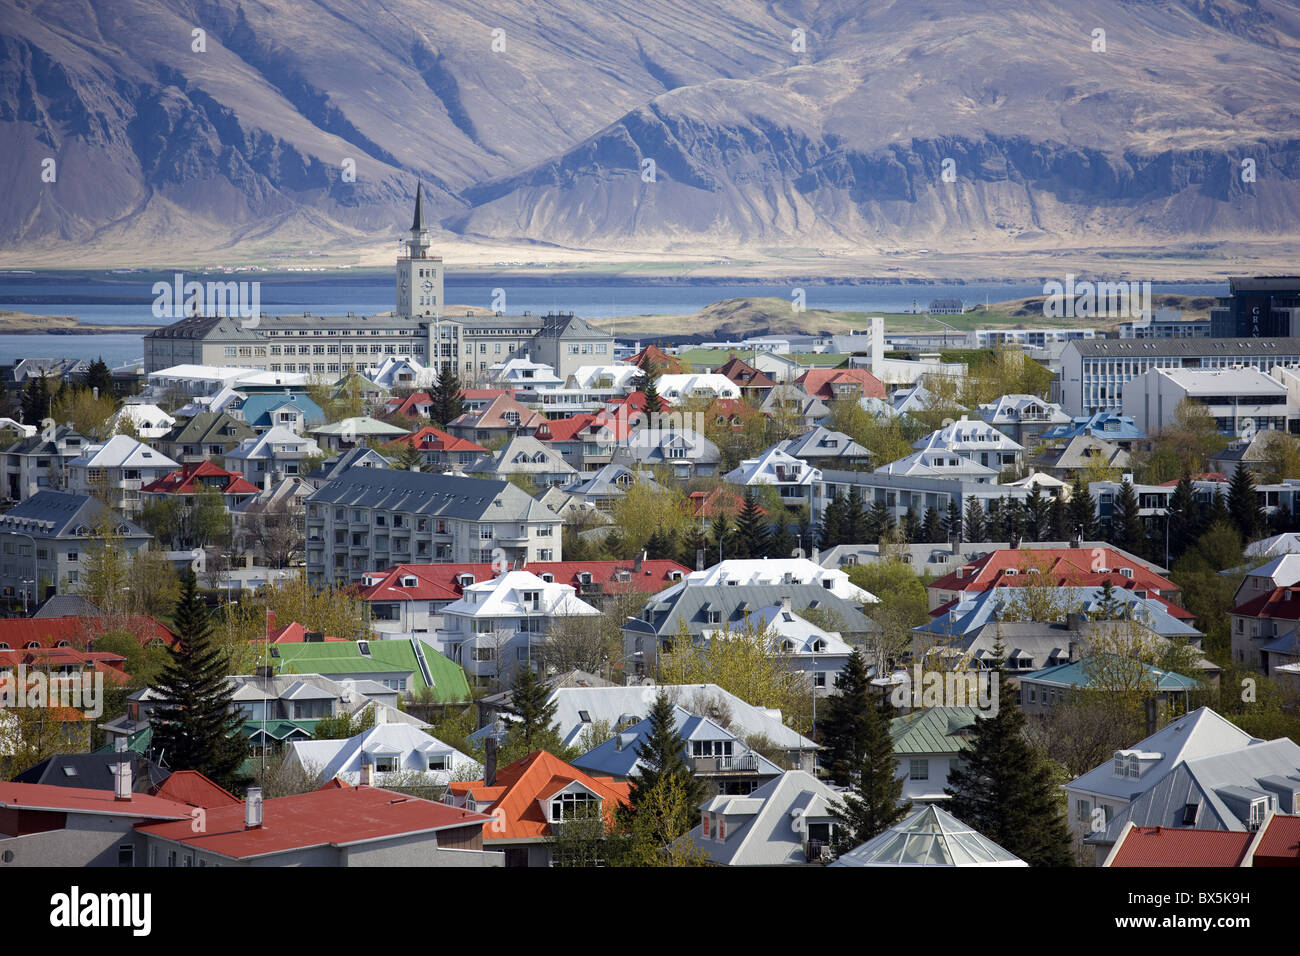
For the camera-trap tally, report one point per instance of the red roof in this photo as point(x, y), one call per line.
point(493, 415)
point(1280, 603)
point(79, 632)
point(740, 372)
point(43, 796)
point(613, 422)
point(435, 439)
point(335, 816)
point(190, 786)
point(563, 429)
point(186, 481)
point(1166, 846)
point(523, 783)
point(821, 382)
point(1279, 844)
point(440, 582)
point(484, 394)
point(407, 406)
point(293, 633)
point(663, 362)
point(1066, 566)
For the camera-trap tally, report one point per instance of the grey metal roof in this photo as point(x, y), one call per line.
point(417, 492)
point(934, 730)
point(58, 514)
point(1131, 348)
point(689, 604)
point(763, 828)
point(66, 605)
point(93, 771)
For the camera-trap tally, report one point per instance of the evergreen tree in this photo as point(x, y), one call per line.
point(1126, 528)
point(721, 532)
point(845, 730)
point(974, 526)
point(752, 532)
point(662, 544)
point(1243, 505)
point(99, 377)
point(663, 754)
point(997, 525)
point(1037, 516)
point(1058, 523)
point(1005, 790)
point(1109, 607)
point(1218, 513)
point(1081, 515)
point(692, 542)
point(36, 401)
point(528, 701)
point(832, 527)
point(1184, 517)
point(855, 518)
point(196, 726)
point(873, 805)
point(408, 457)
point(951, 527)
point(931, 531)
point(782, 543)
point(1013, 519)
point(445, 400)
point(909, 526)
point(653, 403)
point(879, 522)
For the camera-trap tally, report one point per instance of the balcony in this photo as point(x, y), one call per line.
point(744, 763)
point(591, 587)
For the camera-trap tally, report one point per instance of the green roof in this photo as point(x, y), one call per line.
point(138, 743)
point(712, 358)
point(934, 730)
point(386, 657)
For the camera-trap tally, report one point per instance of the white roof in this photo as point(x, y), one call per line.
point(767, 827)
point(503, 597)
point(204, 373)
point(275, 378)
point(690, 384)
point(763, 470)
point(587, 376)
point(774, 571)
point(1227, 381)
point(122, 451)
point(611, 703)
point(261, 446)
point(929, 837)
point(1283, 571)
point(343, 758)
point(968, 435)
point(801, 633)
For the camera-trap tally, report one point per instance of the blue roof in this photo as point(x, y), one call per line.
point(1106, 425)
point(973, 611)
point(1077, 674)
point(257, 409)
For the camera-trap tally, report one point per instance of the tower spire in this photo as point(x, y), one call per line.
point(418, 224)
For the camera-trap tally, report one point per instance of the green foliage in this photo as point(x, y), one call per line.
point(874, 803)
point(901, 605)
point(346, 726)
point(143, 664)
point(661, 756)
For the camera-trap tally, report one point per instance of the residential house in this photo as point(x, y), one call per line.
point(976, 441)
point(792, 477)
point(146, 421)
point(268, 410)
point(1113, 427)
point(823, 448)
point(809, 649)
point(1276, 843)
point(331, 468)
point(712, 753)
point(526, 457)
point(929, 837)
point(206, 435)
point(1266, 629)
point(398, 754)
point(440, 451)
point(1044, 690)
point(604, 488)
point(1097, 797)
point(503, 417)
point(786, 822)
point(40, 463)
point(353, 432)
point(687, 453)
point(775, 572)
point(789, 403)
point(530, 799)
point(829, 384)
point(677, 388)
point(1082, 456)
point(752, 382)
point(199, 477)
point(377, 517)
point(415, 405)
point(916, 492)
point(272, 456)
point(117, 470)
point(337, 825)
point(1023, 418)
point(500, 625)
point(929, 744)
point(45, 540)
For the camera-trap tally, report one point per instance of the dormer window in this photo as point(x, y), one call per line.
point(568, 806)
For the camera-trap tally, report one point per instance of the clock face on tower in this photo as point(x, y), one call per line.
point(428, 287)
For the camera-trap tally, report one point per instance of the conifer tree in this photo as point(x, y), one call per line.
point(692, 542)
point(408, 457)
point(1005, 789)
point(1126, 528)
point(1058, 524)
point(1109, 607)
point(528, 701)
point(1081, 514)
point(782, 543)
point(996, 523)
point(1037, 516)
point(930, 526)
point(1218, 513)
point(721, 532)
point(196, 726)
point(1243, 505)
point(855, 518)
point(445, 400)
point(832, 526)
point(952, 526)
point(661, 755)
point(879, 522)
point(1013, 519)
point(909, 526)
point(751, 534)
point(873, 804)
point(844, 732)
point(974, 526)
point(1184, 518)
point(653, 403)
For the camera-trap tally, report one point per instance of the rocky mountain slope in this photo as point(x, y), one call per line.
point(841, 135)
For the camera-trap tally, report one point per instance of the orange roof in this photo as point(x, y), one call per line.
point(740, 372)
point(1165, 846)
point(663, 362)
point(435, 439)
point(441, 582)
point(1067, 566)
point(47, 797)
point(1279, 845)
point(407, 406)
point(821, 382)
point(79, 632)
point(523, 783)
point(294, 633)
point(190, 786)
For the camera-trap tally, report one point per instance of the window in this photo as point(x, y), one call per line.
point(125, 854)
point(566, 806)
point(484, 653)
point(1083, 810)
point(918, 770)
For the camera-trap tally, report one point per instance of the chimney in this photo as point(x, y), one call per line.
point(253, 809)
point(699, 559)
point(1076, 538)
point(367, 774)
point(1073, 622)
point(490, 761)
point(785, 603)
point(1074, 651)
point(381, 714)
point(122, 771)
point(636, 565)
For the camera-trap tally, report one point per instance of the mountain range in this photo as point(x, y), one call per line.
point(665, 125)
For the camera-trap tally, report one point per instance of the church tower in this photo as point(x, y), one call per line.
point(419, 275)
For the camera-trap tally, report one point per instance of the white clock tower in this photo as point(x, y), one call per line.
point(419, 275)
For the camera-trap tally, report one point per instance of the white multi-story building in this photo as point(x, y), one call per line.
point(275, 454)
point(500, 625)
point(976, 441)
point(792, 477)
point(1243, 401)
point(675, 388)
point(120, 466)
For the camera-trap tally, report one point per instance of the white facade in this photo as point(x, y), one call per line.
point(792, 477)
point(1243, 401)
point(674, 388)
point(976, 441)
point(774, 571)
point(123, 466)
point(275, 454)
